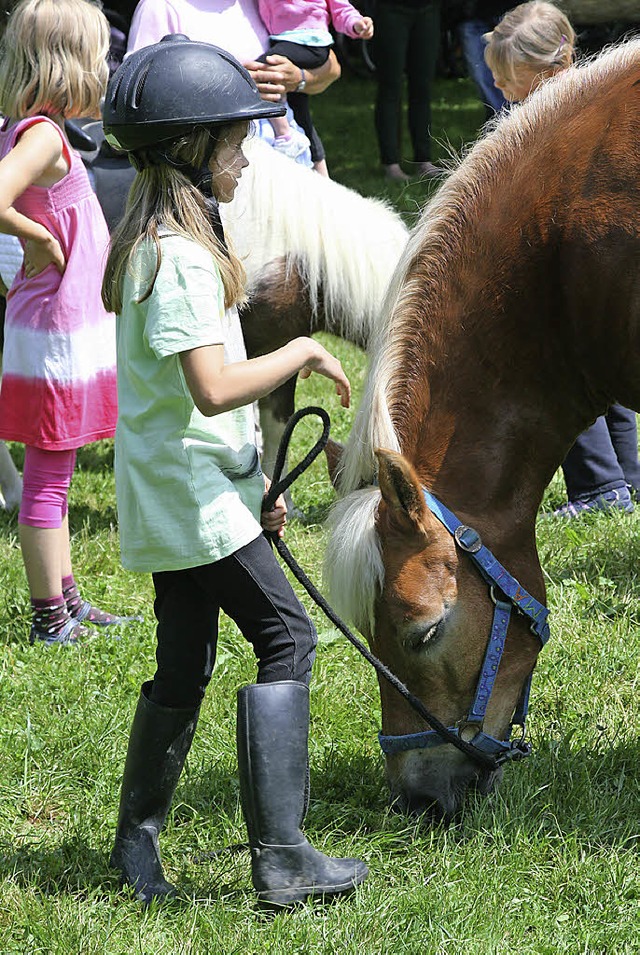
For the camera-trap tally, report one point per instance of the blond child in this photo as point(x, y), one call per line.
point(531, 43)
point(59, 381)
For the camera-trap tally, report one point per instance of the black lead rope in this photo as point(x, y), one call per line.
point(281, 484)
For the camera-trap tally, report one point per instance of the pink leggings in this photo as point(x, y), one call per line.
point(46, 479)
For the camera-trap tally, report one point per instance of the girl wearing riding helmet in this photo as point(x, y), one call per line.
point(188, 480)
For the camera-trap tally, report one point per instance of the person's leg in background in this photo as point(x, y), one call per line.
point(422, 60)
point(299, 103)
point(471, 32)
point(391, 40)
point(623, 430)
point(593, 475)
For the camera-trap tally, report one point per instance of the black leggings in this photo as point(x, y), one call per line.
point(251, 589)
point(407, 40)
point(307, 58)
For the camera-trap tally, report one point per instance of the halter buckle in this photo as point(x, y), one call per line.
point(467, 539)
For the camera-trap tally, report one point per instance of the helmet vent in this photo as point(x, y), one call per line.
point(113, 99)
point(139, 88)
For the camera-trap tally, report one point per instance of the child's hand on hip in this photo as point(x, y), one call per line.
point(39, 254)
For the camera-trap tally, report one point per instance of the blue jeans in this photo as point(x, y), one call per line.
point(604, 457)
point(471, 32)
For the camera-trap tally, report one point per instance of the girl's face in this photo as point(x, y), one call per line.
point(227, 163)
point(524, 80)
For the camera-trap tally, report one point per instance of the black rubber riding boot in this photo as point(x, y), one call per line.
point(272, 733)
point(158, 745)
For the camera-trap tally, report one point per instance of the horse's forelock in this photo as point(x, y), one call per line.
point(353, 567)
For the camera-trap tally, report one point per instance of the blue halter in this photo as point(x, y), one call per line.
point(507, 594)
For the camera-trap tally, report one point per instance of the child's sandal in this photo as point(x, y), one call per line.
point(71, 633)
point(100, 618)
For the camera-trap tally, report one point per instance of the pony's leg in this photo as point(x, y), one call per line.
point(10, 480)
point(275, 411)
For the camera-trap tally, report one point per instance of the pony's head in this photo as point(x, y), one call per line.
point(427, 615)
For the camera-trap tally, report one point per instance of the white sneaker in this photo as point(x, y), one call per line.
point(292, 146)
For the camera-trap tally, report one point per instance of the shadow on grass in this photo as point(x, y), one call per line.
point(88, 520)
point(74, 868)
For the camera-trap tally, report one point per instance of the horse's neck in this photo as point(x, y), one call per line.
point(488, 446)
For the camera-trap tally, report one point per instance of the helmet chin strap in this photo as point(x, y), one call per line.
point(202, 180)
point(199, 176)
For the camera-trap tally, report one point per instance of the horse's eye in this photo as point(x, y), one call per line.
point(419, 638)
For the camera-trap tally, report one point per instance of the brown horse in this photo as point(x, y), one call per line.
point(513, 322)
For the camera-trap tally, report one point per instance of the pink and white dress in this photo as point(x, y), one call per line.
point(58, 388)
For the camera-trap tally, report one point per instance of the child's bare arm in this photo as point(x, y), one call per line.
point(35, 159)
point(216, 387)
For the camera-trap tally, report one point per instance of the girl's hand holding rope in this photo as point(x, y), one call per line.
point(273, 520)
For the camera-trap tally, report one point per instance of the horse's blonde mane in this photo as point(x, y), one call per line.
point(436, 239)
point(345, 246)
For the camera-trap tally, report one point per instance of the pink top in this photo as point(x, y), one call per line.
point(283, 15)
point(233, 25)
point(58, 387)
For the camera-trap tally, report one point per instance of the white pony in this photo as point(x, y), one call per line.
point(318, 256)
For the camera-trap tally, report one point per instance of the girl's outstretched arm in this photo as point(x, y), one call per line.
point(216, 387)
point(36, 159)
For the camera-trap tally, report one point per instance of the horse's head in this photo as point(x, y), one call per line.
point(431, 623)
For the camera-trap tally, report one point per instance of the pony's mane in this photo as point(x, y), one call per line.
point(344, 246)
point(353, 548)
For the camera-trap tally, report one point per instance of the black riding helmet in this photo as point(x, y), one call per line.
point(161, 92)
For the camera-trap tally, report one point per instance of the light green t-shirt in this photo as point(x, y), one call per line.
point(189, 488)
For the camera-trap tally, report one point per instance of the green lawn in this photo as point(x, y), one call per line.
point(548, 864)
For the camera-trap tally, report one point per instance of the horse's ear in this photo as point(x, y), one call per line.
point(333, 452)
point(402, 492)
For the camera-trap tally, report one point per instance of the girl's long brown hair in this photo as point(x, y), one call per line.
point(162, 197)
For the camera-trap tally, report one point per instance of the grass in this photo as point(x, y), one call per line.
point(548, 864)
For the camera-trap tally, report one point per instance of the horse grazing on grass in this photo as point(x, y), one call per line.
point(513, 322)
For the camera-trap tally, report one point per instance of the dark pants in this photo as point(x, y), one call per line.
point(251, 589)
point(406, 39)
point(307, 58)
point(605, 456)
